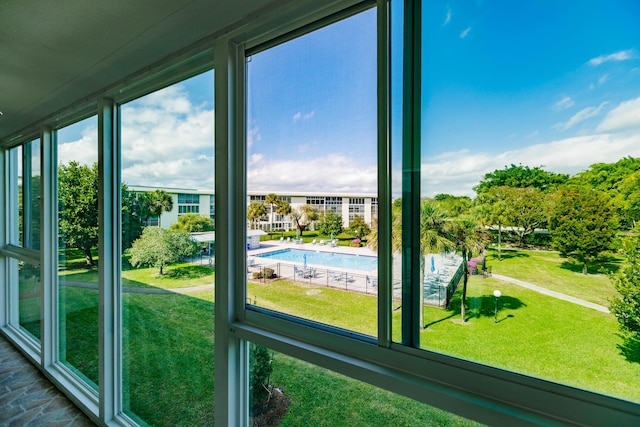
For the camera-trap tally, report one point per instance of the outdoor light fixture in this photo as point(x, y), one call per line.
point(496, 294)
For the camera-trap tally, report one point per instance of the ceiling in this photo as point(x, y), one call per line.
point(55, 53)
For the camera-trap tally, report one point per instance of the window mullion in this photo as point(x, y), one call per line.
point(385, 279)
point(231, 401)
point(411, 89)
point(109, 283)
point(49, 248)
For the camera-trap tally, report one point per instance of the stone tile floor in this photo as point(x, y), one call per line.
point(27, 397)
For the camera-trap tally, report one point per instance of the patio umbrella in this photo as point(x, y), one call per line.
point(433, 265)
point(304, 260)
point(297, 234)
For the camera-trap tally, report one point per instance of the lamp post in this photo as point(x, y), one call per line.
point(496, 294)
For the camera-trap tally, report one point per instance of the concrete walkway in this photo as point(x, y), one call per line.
point(551, 293)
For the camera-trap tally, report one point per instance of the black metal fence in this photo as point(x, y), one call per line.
point(436, 293)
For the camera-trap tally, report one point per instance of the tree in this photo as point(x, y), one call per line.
point(78, 206)
point(359, 227)
point(255, 211)
point(468, 237)
point(158, 247)
point(491, 207)
point(454, 206)
point(271, 199)
point(330, 223)
point(158, 201)
point(283, 208)
point(192, 223)
point(303, 217)
point(133, 213)
point(521, 177)
point(525, 211)
point(626, 308)
point(581, 224)
point(621, 181)
point(433, 235)
point(260, 369)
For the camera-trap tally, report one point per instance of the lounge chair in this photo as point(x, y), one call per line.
point(314, 241)
point(372, 282)
point(297, 271)
point(309, 273)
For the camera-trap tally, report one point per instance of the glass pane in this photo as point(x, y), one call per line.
point(396, 61)
point(27, 170)
point(29, 296)
point(18, 210)
point(78, 248)
point(168, 254)
point(530, 165)
point(294, 393)
point(31, 194)
point(312, 176)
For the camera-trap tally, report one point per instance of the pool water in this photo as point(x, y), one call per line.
point(327, 259)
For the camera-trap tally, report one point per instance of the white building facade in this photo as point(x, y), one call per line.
point(202, 202)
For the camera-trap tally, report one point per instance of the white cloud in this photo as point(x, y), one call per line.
point(83, 151)
point(331, 173)
point(563, 104)
point(622, 55)
point(167, 141)
point(448, 16)
point(465, 32)
point(299, 116)
point(623, 117)
point(457, 173)
point(253, 136)
point(580, 116)
point(603, 79)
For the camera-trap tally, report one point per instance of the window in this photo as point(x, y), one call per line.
point(192, 199)
point(188, 209)
point(168, 332)
point(308, 99)
point(78, 240)
point(500, 136)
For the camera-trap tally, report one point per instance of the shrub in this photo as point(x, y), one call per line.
point(265, 273)
point(356, 243)
point(260, 368)
point(472, 267)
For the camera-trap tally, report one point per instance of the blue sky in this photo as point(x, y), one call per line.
point(540, 82)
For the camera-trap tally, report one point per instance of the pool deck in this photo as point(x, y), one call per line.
point(347, 279)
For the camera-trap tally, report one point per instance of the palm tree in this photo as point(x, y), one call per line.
point(255, 211)
point(433, 236)
point(158, 201)
point(468, 237)
point(271, 199)
point(283, 208)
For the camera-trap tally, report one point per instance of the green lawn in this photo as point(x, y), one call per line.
point(549, 270)
point(537, 335)
point(168, 343)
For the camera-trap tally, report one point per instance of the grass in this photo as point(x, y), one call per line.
point(536, 335)
point(168, 342)
point(549, 270)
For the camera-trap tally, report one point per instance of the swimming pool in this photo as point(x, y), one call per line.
point(327, 259)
